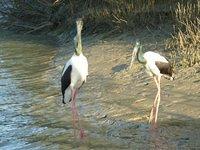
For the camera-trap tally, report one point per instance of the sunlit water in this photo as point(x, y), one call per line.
point(31, 116)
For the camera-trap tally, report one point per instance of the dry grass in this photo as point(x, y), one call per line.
point(186, 43)
point(99, 15)
point(119, 15)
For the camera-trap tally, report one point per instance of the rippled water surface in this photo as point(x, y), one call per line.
point(31, 116)
point(27, 93)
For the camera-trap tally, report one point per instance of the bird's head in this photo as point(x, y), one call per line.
point(77, 38)
point(137, 42)
point(136, 48)
point(135, 51)
point(79, 25)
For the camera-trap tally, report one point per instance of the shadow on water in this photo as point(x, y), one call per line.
point(31, 118)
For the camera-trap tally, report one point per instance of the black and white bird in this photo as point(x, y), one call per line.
point(156, 66)
point(74, 72)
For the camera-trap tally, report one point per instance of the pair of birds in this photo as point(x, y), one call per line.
point(76, 70)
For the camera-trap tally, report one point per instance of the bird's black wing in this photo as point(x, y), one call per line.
point(66, 80)
point(165, 68)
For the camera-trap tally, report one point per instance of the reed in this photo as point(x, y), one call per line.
point(185, 43)
point(99, 15)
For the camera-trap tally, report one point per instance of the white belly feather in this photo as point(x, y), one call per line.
point(79, 70)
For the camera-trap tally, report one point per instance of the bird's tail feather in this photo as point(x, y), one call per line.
point(169, 77)
point(63, 99)
point(67, 96)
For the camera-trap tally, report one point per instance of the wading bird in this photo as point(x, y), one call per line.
point(74, 73)
point(156, 66)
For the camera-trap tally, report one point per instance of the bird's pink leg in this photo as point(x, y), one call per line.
point(75, 115)
point(73, 111)
point(81, 132)
point(158, 101)
point(153, 110)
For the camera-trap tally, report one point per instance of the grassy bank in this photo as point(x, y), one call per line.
point(113, 16)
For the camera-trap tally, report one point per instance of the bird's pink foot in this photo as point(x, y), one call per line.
point(82, 134)
point(152, 115)
point(154, 126)
point(152, 119)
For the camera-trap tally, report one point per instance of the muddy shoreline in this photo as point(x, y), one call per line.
point(116, 101)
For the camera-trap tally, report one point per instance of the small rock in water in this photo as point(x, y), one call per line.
point(103, 116)
point(185, 138)
point(82, 134)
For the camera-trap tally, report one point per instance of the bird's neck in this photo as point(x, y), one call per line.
point(78, 44)
point(140, 55)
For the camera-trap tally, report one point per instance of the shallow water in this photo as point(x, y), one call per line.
point(31, 116)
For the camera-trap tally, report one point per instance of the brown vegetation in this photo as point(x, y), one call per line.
point(186, 42)
point(103, 15)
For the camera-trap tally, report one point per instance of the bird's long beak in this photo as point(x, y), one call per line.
point(132, 59)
